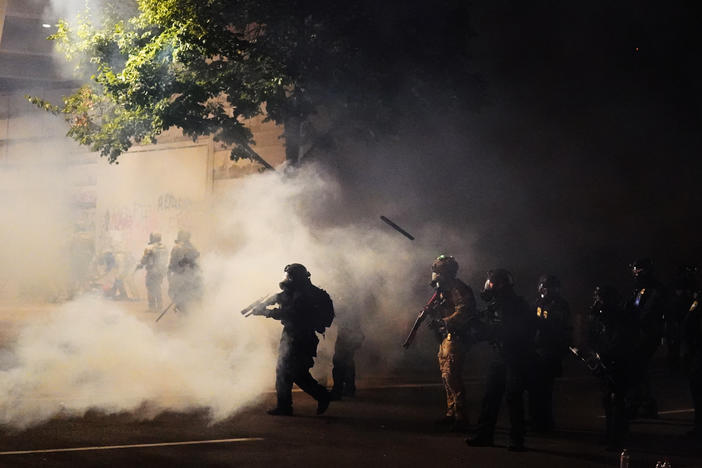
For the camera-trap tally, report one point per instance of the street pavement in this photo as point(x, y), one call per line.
point(388, 424)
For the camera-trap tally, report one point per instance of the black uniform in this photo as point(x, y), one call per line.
point(299, 303)
point(681, 297)
point(348, 341)
point(692, 356)
point(609, 333)
point(646, 307)
point(553, 336)
point(510, 327)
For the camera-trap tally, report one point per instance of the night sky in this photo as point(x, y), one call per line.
point(584, 155)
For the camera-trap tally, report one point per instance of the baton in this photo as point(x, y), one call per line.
point(164, 311)
point(397, 228)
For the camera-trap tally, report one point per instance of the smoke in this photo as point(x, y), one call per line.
point(35, 207)
point(92, 353)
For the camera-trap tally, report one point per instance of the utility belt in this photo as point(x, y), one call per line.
point(454, 336)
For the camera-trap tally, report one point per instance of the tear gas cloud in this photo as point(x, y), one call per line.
point(79, 351)
point(92, 353)
point(34, 211)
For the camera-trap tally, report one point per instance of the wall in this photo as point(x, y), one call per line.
point(163, 187)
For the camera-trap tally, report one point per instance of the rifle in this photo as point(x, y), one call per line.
point(258, 307)
point(164, 311)
point(426, 310)
point(593, 362)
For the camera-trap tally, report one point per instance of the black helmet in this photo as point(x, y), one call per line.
point(641, 267)
point(497, 281)
point(605, 294)
point(183, 236)
point(154, 237)
point(686, 278)
point(605, 301)
point(548, 285)
point(295, 274)
point(443, 268)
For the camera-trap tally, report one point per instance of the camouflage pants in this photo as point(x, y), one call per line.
point(451, 358)
point(153, 291)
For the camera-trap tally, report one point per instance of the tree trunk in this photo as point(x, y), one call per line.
point(293, 139)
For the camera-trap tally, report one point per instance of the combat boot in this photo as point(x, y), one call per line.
point(323, 403)
point(280, 411)
point(460, 425)
point(445, 420)
point(516, 447)
point(480, 441)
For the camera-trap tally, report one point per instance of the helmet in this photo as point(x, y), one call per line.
point(445, 264)
point(641, 267)
point(605, 294)
point(548, 285)
point(605, 300)
point(295, 274)
point(497, 280)
point(154, 237)
point(686, 278)
point(443, 268)
point(183, 236)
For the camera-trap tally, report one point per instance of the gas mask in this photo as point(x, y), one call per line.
point(488, 292)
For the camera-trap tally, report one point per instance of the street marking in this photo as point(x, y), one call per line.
point(674, 411)
point(114, 447)
point(677, 411)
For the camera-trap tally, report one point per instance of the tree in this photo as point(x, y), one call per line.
point(324, 69)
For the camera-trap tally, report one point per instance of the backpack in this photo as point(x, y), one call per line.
point(322, 310)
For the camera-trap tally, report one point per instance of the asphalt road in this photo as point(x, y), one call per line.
point(389, 423)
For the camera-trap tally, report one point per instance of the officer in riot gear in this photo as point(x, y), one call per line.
point(184, 275)
point(348, 340)
point(455, 312)
point(611, 336)
point(553, 336)
point(691, 347)
point(155, 261)
point(510, 328)
point(299, 306)
point(646, 306)
point(682, 295)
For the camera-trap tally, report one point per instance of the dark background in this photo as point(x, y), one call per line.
point(580, 154)
point(583, 156)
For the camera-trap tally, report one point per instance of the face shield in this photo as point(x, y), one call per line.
point(286, 282)
point(638, 271)
point(488, 292)
point(543, 291)
point(434, 279)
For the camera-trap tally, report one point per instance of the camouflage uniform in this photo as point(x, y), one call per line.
point(154, 260)
point(457, 310)
point(184, 279)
